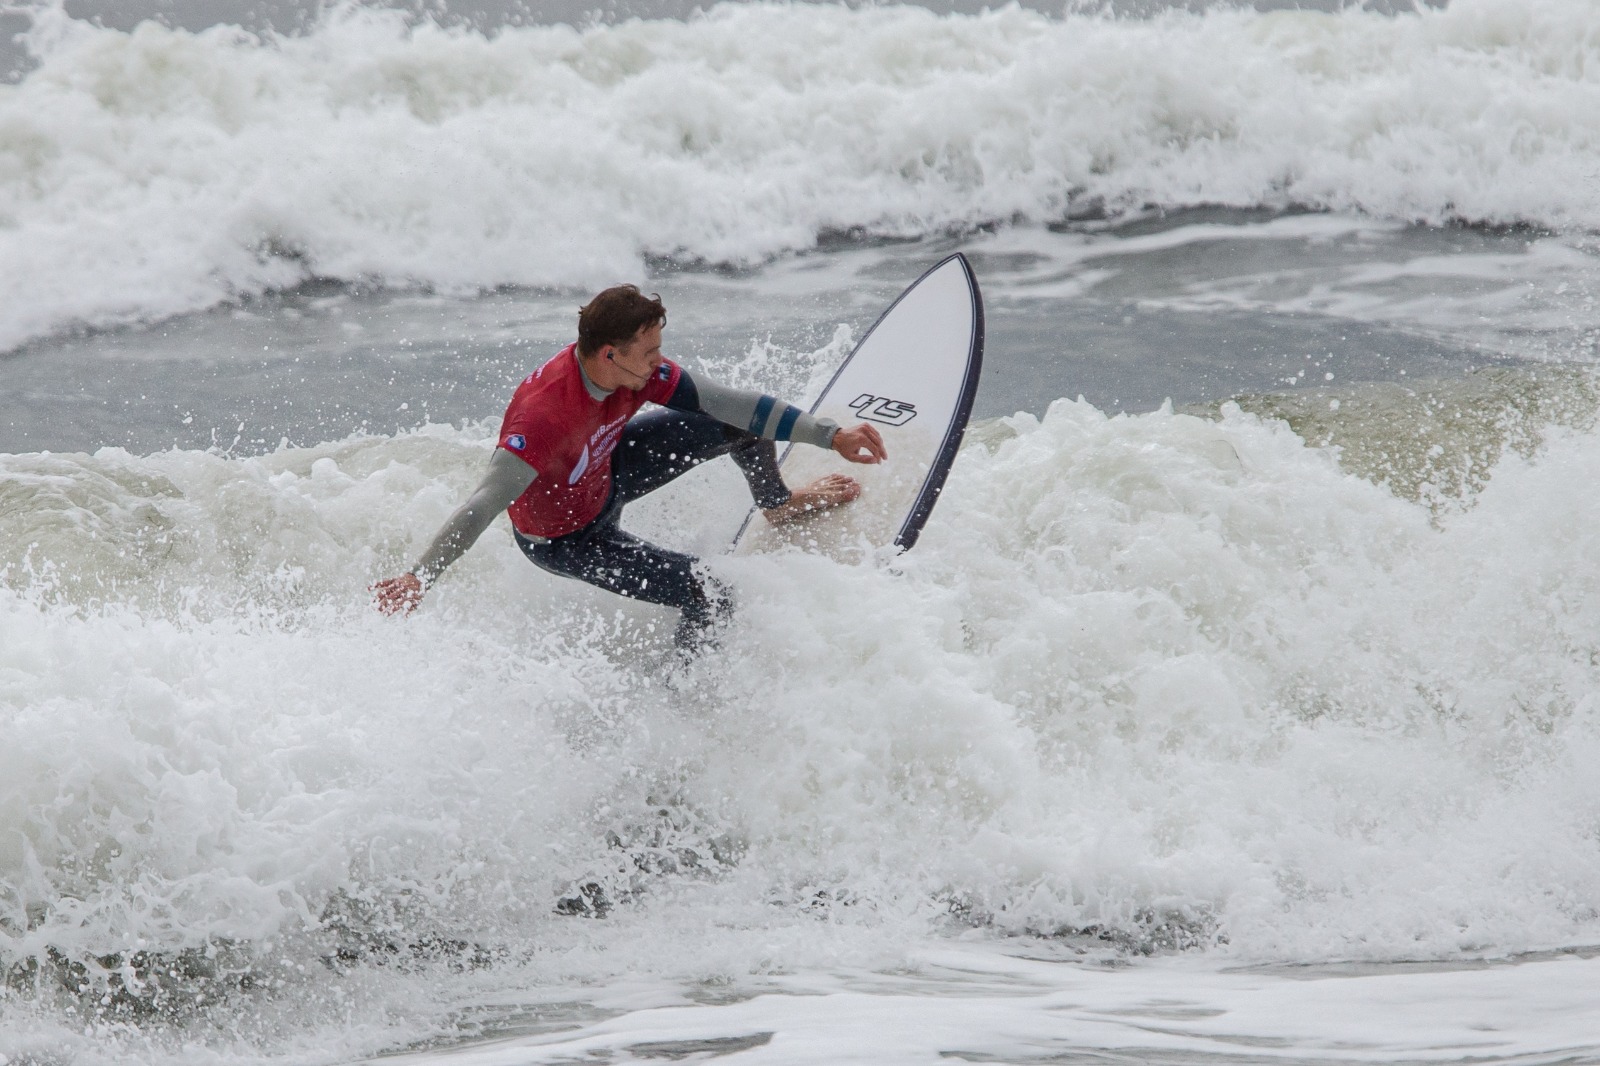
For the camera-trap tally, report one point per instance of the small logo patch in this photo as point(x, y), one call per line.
point(516, 442)
point(882, 409)
point(664, 372)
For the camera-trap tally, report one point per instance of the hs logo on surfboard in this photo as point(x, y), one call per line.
point(882, 409)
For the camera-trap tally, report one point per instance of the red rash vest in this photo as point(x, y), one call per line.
point(555, 426)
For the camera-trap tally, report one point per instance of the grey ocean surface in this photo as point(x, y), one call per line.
point(1195, 307)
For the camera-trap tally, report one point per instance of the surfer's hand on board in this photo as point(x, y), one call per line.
point(397, 595)
point(823, 494)
point(860, 444)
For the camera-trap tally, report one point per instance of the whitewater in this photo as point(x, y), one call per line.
point(1240, 701)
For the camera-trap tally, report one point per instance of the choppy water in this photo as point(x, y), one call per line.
point(1255, 725)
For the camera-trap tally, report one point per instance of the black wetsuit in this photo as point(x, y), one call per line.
point(656, 447)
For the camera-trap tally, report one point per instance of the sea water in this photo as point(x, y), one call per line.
point(1239, 703)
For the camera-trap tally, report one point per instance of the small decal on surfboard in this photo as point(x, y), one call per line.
point(882, 409)
point(913, 375)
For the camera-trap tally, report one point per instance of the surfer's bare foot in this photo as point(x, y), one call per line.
point(823, 494)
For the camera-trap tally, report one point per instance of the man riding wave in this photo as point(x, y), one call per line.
point(574, 450)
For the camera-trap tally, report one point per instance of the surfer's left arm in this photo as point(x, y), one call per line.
point(507, 477)
point(771, 418)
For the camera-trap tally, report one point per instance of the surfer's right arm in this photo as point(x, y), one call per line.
point(507, 478)
point(771, 418)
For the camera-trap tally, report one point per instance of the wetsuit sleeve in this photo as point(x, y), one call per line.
point(762, 415)
point(507, 478)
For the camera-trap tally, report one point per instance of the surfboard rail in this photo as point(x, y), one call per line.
point(933, 484)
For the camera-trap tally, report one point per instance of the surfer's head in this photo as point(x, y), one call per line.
point(617, 316)
point(619, 338)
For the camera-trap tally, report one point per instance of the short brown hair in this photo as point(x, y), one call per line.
point(616, 316)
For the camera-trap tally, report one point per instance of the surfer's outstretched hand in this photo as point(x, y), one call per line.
point(397, 595)
point(860, 443)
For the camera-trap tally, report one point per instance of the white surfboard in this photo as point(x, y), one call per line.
point(913, 376)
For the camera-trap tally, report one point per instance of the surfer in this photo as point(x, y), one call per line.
point(574, 451)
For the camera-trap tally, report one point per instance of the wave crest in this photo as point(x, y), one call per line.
point(159, 171)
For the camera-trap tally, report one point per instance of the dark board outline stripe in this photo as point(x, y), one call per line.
point(933, 483)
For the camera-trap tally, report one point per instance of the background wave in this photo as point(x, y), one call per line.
point(159, 171)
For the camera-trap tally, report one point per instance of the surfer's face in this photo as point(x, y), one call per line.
point(640, 357)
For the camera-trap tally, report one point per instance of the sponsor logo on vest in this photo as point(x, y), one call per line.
point(602, 442)
point(882, 409)
point(516, 442)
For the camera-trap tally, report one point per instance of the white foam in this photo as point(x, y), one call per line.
point(158, 171)
point(1179, 681)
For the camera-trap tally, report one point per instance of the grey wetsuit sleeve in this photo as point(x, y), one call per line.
point(764, 416)
point(507, 478)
